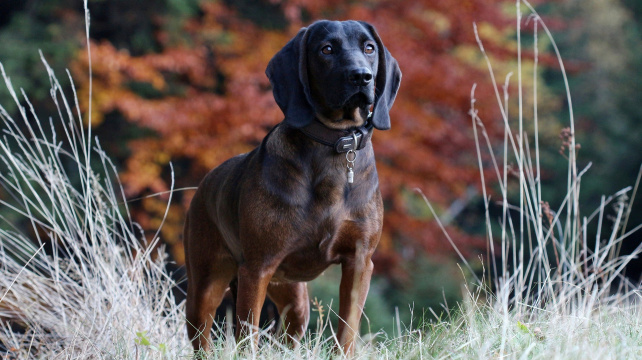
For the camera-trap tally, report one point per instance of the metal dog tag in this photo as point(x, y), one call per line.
point(350, 164)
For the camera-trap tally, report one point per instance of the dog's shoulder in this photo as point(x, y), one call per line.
point(281, 141)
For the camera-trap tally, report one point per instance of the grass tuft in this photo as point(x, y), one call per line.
point(77, 277)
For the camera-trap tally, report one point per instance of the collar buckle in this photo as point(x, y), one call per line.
point(353, 141)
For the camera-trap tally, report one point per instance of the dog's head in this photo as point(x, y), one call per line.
point(335, 71)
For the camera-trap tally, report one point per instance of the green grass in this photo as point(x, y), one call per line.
point(100, 290)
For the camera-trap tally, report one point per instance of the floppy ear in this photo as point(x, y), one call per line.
point(287, 72)
point(386, 83)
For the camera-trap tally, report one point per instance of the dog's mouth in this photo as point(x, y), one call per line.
point(357, 107)
point(352, 112)
point(358, 100)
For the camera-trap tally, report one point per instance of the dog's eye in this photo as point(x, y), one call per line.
point(327, 50)
point(369, 49)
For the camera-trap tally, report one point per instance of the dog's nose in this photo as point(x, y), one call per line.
point(360, 76)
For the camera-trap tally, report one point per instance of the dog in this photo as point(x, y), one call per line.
point(266, 222)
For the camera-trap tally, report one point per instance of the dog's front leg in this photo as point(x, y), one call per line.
point(252, 288)
point(355, 282)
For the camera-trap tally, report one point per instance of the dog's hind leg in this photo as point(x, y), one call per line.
point(293, 303)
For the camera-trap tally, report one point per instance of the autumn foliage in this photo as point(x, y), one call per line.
point(206, 98)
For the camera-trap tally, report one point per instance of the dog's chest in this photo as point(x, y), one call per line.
point(326, 234)
point(309, 255)
point(316, 216)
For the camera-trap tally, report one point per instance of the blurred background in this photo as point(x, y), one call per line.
point(182, 81)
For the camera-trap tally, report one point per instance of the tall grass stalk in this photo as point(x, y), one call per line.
point(549, 270)
point(550, 281)
point(78, 279)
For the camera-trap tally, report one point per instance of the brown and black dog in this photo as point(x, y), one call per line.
point(272, 219)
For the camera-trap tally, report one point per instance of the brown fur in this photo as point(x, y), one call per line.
point(276, 217)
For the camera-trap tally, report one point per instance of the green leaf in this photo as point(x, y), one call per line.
point(523, 327)
point(141, 338)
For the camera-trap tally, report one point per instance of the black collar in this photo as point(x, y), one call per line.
point(340, 140)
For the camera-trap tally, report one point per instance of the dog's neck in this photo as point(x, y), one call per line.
point(341, 140)
point(345, 119)
point(327, 162)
